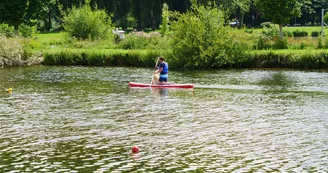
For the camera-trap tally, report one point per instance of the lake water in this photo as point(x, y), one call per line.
point(86, 119)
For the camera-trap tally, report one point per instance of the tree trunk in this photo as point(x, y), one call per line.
point(49, 19)
point(280, 31)
point(242, 15)
point(152, 17)
point(16, 26)
point(312, 20)
point(138, 15)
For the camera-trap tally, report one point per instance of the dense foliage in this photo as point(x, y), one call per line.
point(164, 28)
point(143, 40)
point(85, 23)
point(298, 33)
point(279, 11)
point(11, 52)
point(7, 30)
point(200, 40)
point(147, 14)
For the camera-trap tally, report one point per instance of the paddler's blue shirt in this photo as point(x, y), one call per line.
point(165, 68)
point(163, 75)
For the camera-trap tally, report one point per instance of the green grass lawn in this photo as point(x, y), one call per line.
point(51, 37)
point(60, 40)
point(308, 29)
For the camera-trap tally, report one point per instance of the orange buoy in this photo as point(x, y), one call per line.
point(9, 90)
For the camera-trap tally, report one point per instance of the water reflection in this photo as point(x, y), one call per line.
point(163, 92)
point(277, 80)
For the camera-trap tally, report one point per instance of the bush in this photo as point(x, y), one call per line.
point(320, 45)
point(11, 52)
point(248, 31)
point(26, 30)
point(288, 34)
point(271, 31)
point(266, 24)
point(84, 23)
point(298, 45)
point(260, 44)
point(133, 41)
point(298, 33)
point(142, 40)
point(280, 43)
point(7, 30)
point(315, 33)
point(200, 40)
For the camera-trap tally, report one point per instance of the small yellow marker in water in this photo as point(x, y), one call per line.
point(9, 90)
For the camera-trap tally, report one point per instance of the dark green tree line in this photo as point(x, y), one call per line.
point(142, 14)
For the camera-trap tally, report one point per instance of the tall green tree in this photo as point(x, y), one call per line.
point(49, 12)
point(164, 27)
point(13, 12)
point(311, 11)
point(229, 7)
point(279, 11)
point(243, 6)
point(316, 6)
point(21, 11)
point(122, 10)
point(325, 18)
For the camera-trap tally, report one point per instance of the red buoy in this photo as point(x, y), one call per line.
point(135, 149)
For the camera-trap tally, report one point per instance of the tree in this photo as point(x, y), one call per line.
point(50, 11)
point(13, 12)
point(279, 11)
point(243, 6)
point(199, 39)
point(325, 18)
point(165, 27)
point(21, 11)
point(122, 9)
point(85, 23)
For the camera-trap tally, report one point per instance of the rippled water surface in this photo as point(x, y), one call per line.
point(80, 119)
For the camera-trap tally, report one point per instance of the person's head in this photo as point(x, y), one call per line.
point(161, 59)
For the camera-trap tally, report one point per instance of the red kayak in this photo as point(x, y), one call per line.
point(143, 85)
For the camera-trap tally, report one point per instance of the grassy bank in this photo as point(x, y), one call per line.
point(58, 49)
point(300, 59)
point(102, 57)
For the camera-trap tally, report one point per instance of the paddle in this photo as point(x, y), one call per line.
point(152, 76)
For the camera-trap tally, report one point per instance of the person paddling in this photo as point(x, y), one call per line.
point(163, 69)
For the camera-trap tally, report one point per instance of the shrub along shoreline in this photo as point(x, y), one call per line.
point(105, 57)
point(298, 59)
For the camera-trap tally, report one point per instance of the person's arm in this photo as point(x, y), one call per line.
point(160, 69)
